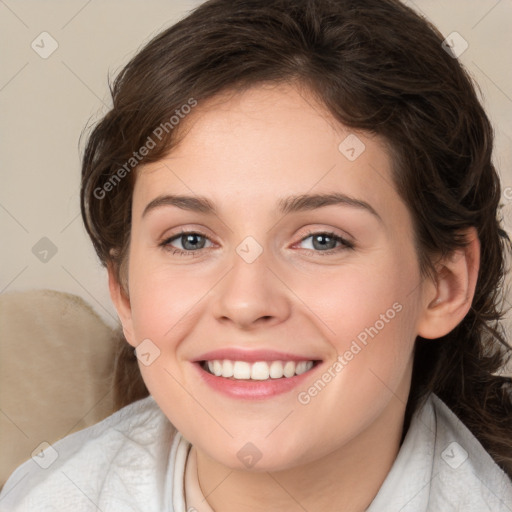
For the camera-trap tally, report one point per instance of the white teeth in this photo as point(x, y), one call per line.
point(217, 368)
point(289, 369)
point(302, 367)
point(241, 370)
point(227, 368)
point(260, 370)
point(276, 369)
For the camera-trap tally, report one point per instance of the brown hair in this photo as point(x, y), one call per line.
point(377, 66)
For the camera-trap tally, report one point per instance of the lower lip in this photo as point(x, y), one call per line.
point(252, 389)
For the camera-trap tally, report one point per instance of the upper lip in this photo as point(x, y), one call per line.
point(251, 356)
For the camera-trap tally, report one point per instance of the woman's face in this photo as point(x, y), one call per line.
point(267, 286)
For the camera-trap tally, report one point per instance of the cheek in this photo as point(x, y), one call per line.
point(371, 331)
point(162, 296)
point(368, 315)
point(359, 297)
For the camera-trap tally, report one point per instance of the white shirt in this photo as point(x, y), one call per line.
point(136, 461)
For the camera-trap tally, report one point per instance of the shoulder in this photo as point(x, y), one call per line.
point(441, 465)
point(120, 459)
point(463, 471)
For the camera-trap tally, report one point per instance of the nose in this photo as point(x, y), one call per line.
point(251, 294)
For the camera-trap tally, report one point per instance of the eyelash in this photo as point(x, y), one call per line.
point(345, 244)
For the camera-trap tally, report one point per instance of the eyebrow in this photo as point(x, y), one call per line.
point(290, 204)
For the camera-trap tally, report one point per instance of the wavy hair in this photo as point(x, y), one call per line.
point(377, 66)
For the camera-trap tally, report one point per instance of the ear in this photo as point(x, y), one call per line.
point(448, 300)
point(121, 302)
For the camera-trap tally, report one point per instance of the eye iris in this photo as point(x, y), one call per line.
point(323, 245)
point(187, 239)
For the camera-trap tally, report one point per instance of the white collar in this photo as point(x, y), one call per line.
point(440, 463)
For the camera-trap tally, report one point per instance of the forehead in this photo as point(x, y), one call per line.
point(269, 141)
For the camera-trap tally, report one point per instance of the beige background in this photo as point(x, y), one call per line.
point(45, 104)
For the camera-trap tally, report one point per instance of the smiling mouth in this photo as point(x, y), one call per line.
point(259, 370)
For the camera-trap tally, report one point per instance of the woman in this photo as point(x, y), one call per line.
point(297, 208)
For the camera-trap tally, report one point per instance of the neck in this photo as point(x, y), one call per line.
point(347, 479)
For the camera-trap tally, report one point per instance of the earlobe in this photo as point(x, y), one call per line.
point(121, 302)
point(448, 300)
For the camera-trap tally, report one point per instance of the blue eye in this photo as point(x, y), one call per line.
point(186, 238)
point(193, 242)
point(328, 241)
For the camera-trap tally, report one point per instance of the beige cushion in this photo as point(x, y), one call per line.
point(56, 368)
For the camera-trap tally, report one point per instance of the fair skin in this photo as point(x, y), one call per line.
point(244, 153)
